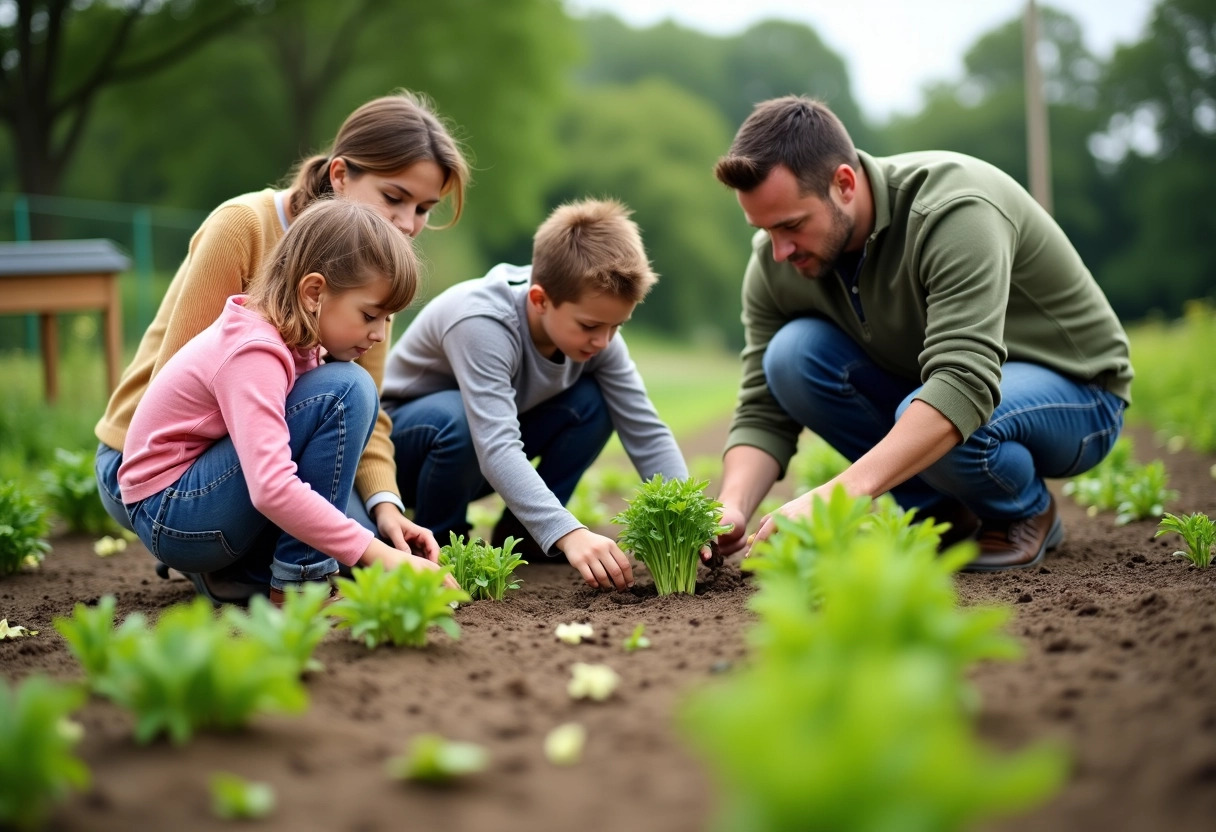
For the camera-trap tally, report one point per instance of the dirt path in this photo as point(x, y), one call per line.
point(1119, 665)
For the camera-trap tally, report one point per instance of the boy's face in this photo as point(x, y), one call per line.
point(579, 329)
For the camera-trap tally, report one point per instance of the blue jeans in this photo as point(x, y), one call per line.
point(206, 522)
point(437, 469)
point(1047, 425)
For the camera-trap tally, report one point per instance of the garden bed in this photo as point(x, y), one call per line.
point(1120, 665)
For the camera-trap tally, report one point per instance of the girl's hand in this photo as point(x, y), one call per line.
point(379, 551)
point(403, 533)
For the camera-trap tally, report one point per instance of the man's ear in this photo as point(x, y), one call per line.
point(312, 287)
point(845, 179)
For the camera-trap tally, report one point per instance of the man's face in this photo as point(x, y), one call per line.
point(811, 233)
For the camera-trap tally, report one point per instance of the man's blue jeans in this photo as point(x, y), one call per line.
point(437, 468)
point(206, 522)
point(1047, 425)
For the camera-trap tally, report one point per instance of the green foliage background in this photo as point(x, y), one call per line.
point(208, 100)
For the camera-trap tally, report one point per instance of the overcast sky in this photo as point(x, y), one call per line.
point(892, 47)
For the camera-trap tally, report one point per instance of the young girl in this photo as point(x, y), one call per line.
point(393, 154)
point(245, 445)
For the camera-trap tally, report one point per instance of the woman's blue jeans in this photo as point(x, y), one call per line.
point(1047, 425)
point(206, 522)
point(437, 468)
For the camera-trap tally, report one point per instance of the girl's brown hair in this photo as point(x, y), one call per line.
point(384, 136)
point(347, 243)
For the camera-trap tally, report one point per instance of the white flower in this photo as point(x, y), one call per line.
point(573, 632)
point(592, 681)
point(564, 744)
point(109, 546)
point(14, 631)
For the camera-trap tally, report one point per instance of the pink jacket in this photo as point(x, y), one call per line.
point(232, 379)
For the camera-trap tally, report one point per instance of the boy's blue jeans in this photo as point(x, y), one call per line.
point(437, 468)
point(1047, 425)
point(206, 522)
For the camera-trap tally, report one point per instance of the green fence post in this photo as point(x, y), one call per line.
point(21, 233)
point(142, 221)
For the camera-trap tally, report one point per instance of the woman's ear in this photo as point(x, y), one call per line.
point(339, 175)
point(312, 287)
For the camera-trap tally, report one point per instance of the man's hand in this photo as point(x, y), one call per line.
point(800, 506)
point(732, 541)
point(403, 533)
point(597, 558)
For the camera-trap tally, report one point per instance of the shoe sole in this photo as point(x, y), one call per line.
point(1054, 538)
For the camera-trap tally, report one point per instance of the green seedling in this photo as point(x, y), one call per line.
point(186, 673)
point(587, 506)
point(14, 631)
point(1197, 531)
point(637, 640)
point(23, 529)
point(433, 759)
point(235, 798)
point(482, 570)
point(794, 549)
point(70, 484)
point(666, 525)
point(398, 606)
point(293, 631)
point(1145, 494)
point(1102, 487)
point(37, 767)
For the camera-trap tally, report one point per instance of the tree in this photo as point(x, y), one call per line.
point(57, 56)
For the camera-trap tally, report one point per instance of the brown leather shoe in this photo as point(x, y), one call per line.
point(1017, 544)
point(278, 596)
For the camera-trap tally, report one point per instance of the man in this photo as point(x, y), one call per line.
point(927, 318)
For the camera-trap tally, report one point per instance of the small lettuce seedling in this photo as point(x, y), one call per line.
point(37, 766)
point(1146, 493)
point(14, 631)
point(592, 681)
point(637, 640)
point(666, 524)
point(398, 606)
point(293, 631)
point(574, 632)
point(482, 570)
point(187, 672)
point(235, 798)
point(70, 485)
point(23, 529)
point(433, 759)
point(564, 744)
point(1197, 531)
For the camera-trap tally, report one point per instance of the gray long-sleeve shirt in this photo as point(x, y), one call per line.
point(474, 337)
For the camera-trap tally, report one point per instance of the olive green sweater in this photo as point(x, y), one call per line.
point(962, 272)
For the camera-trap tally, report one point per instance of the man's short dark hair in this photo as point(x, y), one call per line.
point(795, 131)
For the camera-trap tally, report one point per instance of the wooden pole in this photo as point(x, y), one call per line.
point(1038, 145)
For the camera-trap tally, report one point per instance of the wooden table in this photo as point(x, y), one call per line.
point(49, 277)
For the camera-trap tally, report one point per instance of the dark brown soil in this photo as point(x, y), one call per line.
point(1120, 665)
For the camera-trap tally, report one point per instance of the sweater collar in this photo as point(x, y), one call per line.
point(878, 190)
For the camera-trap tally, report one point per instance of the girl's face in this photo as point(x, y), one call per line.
point(404, 198)
point(354, 321)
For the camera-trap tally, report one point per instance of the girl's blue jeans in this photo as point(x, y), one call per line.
point(206, 522)
point(437, 469)
point(1046, 425)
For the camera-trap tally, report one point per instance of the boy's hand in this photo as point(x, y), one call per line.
point(403, 533)
point(598, 559)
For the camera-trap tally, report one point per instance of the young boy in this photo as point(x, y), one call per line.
point(523, 363)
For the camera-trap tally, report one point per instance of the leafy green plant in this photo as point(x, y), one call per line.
point(23, 529)
point(666, 524)
point(186, 673)
point(433, 759)
point(637, 640)
point(1197, 531)
point(91, 634)
point(37, 767)
point(398, 606)
point(587, 505)
point(294, 630)
point(1145, 494)
point(70, 485)
point(482, 570)
point(235, 798)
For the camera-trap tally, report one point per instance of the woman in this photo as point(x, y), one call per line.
point(393, 154)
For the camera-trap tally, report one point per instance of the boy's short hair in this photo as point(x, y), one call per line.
point(591, 247)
